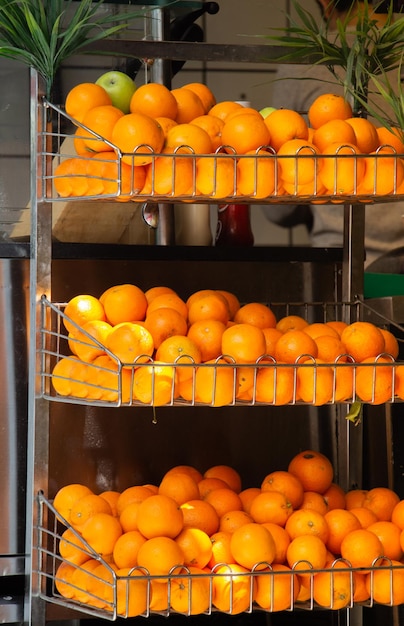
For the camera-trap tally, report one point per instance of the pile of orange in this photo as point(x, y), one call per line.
point(155, 347)
point(223, 149)
point(293, 537)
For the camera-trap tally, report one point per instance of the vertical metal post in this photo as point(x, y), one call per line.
point(40, 277)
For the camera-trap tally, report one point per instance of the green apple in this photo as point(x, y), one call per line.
point(267, 111)
point(120, 88)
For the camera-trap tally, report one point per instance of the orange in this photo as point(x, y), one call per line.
point(327, 107)
point(169, 175)
point(179, 349)
point(118, 178)
point(398, 380)
point(215, 383)
point(307, 522)
point(67, 496)
point(101, 531)
point(158, 594)
point(252, 546)
point(340, 522)
point(256, 174)
point(159, 555)
point(221, 553)
point(135, 493)
point(179, 487)
point(189, 105)
point(315, 382)
point(128, 517)
point(207, 335)
point(140, 134)
point(246, 378)
point(397, 515)
point(190, 594)
point(159, 515)
point(384, 173)
point(80, 580)
point(111, 497)
point(165, 322)
point(276, 590)
point(244, 111)
point(271, 506)
point(168, 300)
point(81, 309)
point(299, 164)
point(224, 108)
point(334, 131)
point(343, 383)
point(244, 343)
point(392, 138)
point(247, 496)
point(366, 137)
point(100, 121)
point(387, 585)
point(124, 303)
point(155, 384)
point(333, 589)
point(86, 507)
point(130, 343)
point(166, 123)
point(196, 547)
point(306, 552)
point(314, 501)
point(190, 136)
point(275, 384)
point(68, 375)
point(355, 498)
point(363, 340)
point(286, 483)
point(206, 95)
point(154, 99)
point(232, 520)
point(375, 384)
point(391, 345)
point(200, 514)
point(113, 383)
point(232, 301)
point(84, 347)
point(192, 471)
point(361, 548)
point(70, 178)
point(256, 314)
point(126, 548)
point(72, 548)
point(224, 500)
point(365, 516)
point(341, 174)
point(382, 501)
point(100, 584)
point(271, 337)
point(84, 97)
point(233, 590)
point(208, 307)
point(337, 325)
point(389, 535)
point(313, 469)
point(291, 322)
point(281, 538)
point(153, 292)
point(208, 484)
point(63, 580)
point(284, 125)
point(216, 176)
point(335, 497)
point(131, 593)
point(294, 344)
point(330, 349)
point(213, 127)
point(244, 132)
point(227, 473)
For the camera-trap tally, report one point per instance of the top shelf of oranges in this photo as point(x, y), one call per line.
point(183, 144)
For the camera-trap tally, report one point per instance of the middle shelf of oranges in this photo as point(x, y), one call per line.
point(130, 347)
point(218, 152)
point(201, 542)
